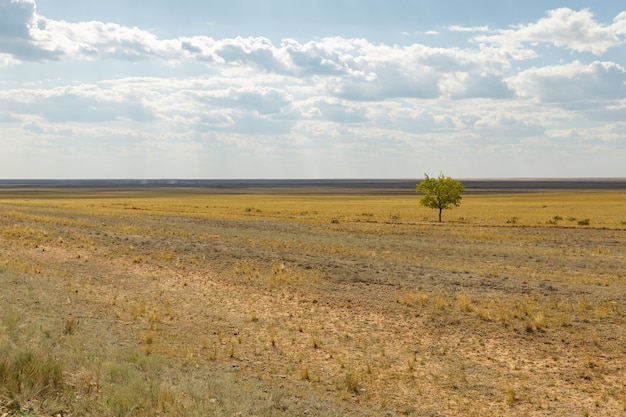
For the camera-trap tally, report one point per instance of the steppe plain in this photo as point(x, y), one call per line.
point(307, 298)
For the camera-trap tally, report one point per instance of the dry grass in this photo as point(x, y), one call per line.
point(169, 303)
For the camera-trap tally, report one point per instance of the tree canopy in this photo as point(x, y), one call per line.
point(440, 193)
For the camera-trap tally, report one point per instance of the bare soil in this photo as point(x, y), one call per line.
point(358, 318)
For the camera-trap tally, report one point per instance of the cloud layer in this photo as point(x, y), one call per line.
point(331, 99)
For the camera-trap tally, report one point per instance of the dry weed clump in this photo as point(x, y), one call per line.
point(20, 267)
point(28, 370)
point(442, 299)
point(510, 396)
point(26, 375)
point(413, 298)
point(351, 382)
point(276, 274)
point(464, 302)
point(248, 269)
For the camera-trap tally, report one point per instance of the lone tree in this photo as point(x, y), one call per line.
point(440, 193)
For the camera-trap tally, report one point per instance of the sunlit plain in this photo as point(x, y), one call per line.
point(335, 304)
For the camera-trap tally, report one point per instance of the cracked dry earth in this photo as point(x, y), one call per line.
point(347, 319)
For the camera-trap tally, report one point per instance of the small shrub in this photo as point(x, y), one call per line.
point(335, 221)
point(555, 220)
point(584, 222)
point(512, 220)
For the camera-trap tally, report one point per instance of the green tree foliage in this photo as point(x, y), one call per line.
point(440, 193)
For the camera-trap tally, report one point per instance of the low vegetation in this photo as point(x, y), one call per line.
point(185, 303)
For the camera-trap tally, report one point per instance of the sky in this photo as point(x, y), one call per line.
point(200, 89)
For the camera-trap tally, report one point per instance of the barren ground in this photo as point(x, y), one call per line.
point(327, 306)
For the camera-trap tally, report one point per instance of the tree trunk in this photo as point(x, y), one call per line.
point(440, 210)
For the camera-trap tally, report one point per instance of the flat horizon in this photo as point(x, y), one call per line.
point(316, 186)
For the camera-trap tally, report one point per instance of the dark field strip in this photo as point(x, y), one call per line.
point(313, 186)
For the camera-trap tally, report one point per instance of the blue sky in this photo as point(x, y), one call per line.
point(317, 89)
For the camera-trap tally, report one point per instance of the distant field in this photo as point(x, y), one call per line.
point(324, 299)
point(324, 186)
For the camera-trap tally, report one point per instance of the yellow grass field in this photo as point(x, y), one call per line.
point(181, 302)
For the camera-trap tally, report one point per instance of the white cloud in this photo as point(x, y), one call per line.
point(428, 32)
point(264, 100)
point(103, 40)
point(16, 18)
point(18, 21)
point(47, 129)
point(572, 82)
point(84, 103)
point(304, 103)
point(606, 133)
point(564, 27)
point(457, 28)
point(332, 109)
point(353, 69)
point(470, 85)
point(358, 59)
point(389, 83)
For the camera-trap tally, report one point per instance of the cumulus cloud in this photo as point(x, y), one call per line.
point(103, 40)
point(564, 27)
point(389, 83)
point(27, 36)
point(86, 103)
point(336, 95)
point(18, 22)
point(572, 82)
point(264, 100)
point(353, 69)
point(468, 85)
point(334, 110)
point(43, 38)
point(16, 18)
